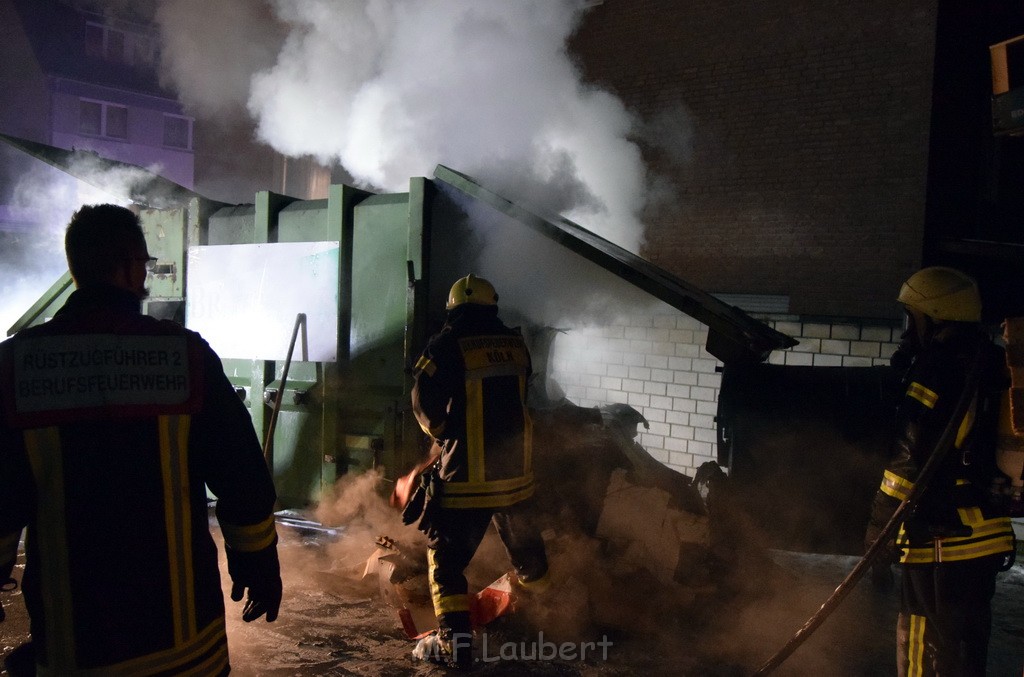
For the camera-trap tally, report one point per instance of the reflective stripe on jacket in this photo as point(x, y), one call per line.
point(954, 503)
point(470, 396)
point(113, 426)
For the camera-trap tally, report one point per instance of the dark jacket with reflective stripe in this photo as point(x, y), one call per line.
point(470, 396)
point(114, 424)
point(957, 496)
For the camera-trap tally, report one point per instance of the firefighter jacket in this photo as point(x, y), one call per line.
point(113, 426)
point(469, 396)
point(954, 519)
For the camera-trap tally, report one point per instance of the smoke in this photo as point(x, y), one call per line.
point(213, 49)
point(357, 504)
point(390, 88)
point(43, 199)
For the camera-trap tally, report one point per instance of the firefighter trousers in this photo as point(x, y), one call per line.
point(458, 535)
point(945, 618)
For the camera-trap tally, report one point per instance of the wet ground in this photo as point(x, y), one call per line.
point(333, 622)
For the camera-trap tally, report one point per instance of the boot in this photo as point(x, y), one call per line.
point(443, 647)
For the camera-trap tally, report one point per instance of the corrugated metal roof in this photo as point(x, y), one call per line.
point(733, 335)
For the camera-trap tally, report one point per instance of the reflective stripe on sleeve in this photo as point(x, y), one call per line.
point(895, 486)
point(426, 365)
point(923, 395)
point(250, 538)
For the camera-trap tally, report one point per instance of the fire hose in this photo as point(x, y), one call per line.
point(928, 470)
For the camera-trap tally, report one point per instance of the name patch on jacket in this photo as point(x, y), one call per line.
point(494, 355)
point(133, 374)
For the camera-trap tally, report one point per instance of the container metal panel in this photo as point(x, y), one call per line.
point(304, 221)
point(380, 291)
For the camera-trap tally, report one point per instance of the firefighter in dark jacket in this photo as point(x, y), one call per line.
point(469, 396)
point(955, 542)
point(113, 426)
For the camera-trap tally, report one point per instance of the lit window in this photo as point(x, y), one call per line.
point(177, 132)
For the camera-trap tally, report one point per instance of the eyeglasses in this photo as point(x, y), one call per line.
point(150, 262)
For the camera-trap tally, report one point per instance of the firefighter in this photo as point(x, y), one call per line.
point(956, 540)
point(469, 397)
point(113, 426)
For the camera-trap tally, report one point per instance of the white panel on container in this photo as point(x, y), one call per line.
point(244, 298)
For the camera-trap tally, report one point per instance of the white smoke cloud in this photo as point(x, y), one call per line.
point(43, 200)
point(391, 88)
point(214, 48)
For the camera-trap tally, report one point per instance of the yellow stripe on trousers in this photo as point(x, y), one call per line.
point(915, 646)
point(443, 604)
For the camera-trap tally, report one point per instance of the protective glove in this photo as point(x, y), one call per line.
point(260, 572)
point(881, 566)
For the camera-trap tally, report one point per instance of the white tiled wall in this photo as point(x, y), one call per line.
point(658, 365)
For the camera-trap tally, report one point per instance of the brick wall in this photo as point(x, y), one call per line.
point(794, 136)
point(658, 365)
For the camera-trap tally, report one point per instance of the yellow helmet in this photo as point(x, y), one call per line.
point(472, 289)
point(942, 294)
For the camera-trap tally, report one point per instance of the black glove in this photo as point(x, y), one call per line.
point(417, 502)
point(260, 572)
point(881, 565)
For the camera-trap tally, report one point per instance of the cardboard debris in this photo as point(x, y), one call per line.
point(405, 587)
point(651, 533)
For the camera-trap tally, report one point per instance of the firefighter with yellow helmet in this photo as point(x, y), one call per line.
point(469, 397)
point(956, 540)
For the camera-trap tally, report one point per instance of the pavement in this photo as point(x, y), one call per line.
point(335, 622)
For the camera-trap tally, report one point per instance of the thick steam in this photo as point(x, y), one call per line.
point(389, 89)
point(32, 259)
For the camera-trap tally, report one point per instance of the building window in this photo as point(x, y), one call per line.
point(113, 50)
point(177, 131)
point(116, 122)
point(90, 118)
point(94, 39)
point(119, 46)
point(97, 118)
